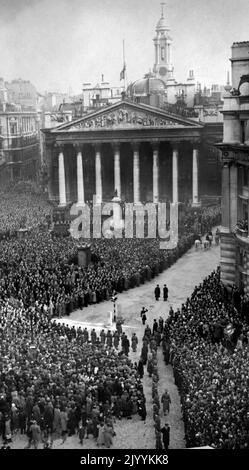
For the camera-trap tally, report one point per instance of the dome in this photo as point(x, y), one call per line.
point(244, 89)
point(161, 25)
point(148, 85)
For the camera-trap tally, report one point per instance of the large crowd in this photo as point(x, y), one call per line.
point(73, 380)
point(22, 206)
point(206, 342)
point(41, 269)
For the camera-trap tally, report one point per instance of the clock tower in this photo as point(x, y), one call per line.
point(163, 67)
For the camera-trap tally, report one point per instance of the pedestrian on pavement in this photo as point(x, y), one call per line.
point(166, 400)
point(140, 368)
point(157, 292)
point(155, 326)
point(134, 341)
point(165, 430)
point(144, 318)
point(165, 292)
point(144, 310)
point(82, 431)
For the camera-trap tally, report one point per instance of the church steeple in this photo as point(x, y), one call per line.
point(163, 67)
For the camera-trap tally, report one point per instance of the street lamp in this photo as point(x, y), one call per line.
point(114, 300)
point(32, 348)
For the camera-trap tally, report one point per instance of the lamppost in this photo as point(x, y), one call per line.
point(114, 300)
point(32, 348)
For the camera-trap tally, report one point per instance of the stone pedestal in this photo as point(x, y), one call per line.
point(84, 255)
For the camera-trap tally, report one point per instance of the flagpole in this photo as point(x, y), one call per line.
point(124, 65)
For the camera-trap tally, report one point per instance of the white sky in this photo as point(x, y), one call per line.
point(57, 44)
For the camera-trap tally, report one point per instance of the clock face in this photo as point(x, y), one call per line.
point(162, 70)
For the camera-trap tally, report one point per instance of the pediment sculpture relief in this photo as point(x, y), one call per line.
point(124, 118)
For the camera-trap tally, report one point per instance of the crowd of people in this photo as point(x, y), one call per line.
point(206, 341)
point(21, 206)
point(72, 381)
point(41, 269)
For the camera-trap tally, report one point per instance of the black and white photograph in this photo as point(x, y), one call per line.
point(124, 243)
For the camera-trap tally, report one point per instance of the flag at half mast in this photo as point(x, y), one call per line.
point(122, 73)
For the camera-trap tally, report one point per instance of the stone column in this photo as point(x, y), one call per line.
point(155, 174)
point(136, 181)
point(62, 180)
point(80, 178)
point(98, 174)
point(195, 193)
point(225, 202)
point(117, 176)
point(233, 196)
point(175, 155)
point(227, 243)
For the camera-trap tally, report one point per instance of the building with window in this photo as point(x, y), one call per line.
point(23, 93)
point(19, 143)
point(235, 173)
point(99, 95)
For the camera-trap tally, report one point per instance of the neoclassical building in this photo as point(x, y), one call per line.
point(235, 173)
point(142, 153)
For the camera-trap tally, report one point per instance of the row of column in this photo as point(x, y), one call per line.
point(136, 175)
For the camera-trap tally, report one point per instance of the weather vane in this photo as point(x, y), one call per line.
point(162, 5)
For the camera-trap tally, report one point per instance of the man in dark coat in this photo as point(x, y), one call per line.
point(143, 311)
point(155, 326)
point(165, 292)
point(157, 292)
point(166, 435)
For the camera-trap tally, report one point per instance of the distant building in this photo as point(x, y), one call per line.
point(23, 93)
point(99, 95)
point(51, 101)
point(19, 143)
point(235, 173)
point(160, 87)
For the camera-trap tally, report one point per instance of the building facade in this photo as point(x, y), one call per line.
point(235, 173)
point(23, 93)
point(19, 144)
point(99, 95)
point(141, 152)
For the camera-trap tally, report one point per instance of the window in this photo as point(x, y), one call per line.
point(242, 123)
point(162, 53)
point(245, 176)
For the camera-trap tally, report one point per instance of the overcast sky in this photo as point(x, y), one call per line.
point(58, 44)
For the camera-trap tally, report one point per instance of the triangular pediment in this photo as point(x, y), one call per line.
point(127, 115)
